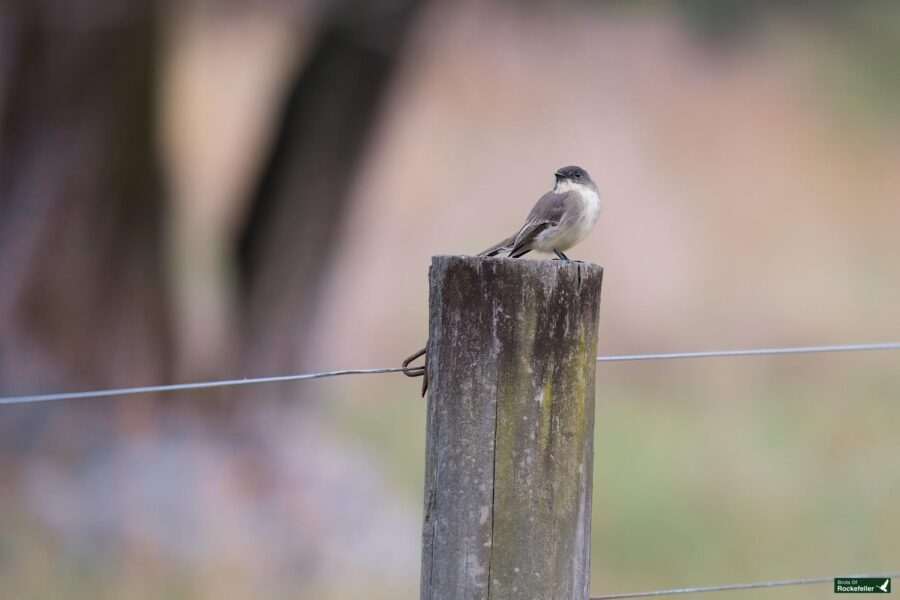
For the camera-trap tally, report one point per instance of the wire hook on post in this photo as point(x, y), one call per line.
point(417, 371)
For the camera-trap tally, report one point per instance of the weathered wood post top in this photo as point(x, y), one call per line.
point(509, 450)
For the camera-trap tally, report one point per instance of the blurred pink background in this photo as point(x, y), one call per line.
point(748, 156)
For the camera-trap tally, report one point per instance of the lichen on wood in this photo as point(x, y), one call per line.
point(509, 452)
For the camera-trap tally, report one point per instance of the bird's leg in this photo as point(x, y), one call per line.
point(561, 256)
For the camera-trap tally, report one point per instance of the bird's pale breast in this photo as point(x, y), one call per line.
point(578, 221)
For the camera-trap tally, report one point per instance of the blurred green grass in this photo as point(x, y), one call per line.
point(706, 472)
point(778, 471)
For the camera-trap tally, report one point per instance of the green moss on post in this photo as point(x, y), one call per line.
point(509, 455)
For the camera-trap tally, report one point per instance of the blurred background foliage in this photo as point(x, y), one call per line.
point(208, 189)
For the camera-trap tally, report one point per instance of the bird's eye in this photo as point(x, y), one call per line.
point(576, 175)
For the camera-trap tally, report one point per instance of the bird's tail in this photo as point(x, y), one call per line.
point(504, 246)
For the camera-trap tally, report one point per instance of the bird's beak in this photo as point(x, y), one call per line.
point(559, 175)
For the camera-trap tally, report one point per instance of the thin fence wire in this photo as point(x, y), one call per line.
point(743, 586)
point(199, 385)
point(754, 352)
point(6, 400)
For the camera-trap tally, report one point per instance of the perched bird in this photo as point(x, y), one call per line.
point(559, 220)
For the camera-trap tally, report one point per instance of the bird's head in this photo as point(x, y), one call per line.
point(572, 175)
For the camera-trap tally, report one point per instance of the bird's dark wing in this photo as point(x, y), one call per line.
point(550, 208)
point(548, 211)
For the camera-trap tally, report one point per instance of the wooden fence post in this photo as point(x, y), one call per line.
point(509, 451)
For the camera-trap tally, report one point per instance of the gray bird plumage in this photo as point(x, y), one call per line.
point(559, 220)
point(548, 211)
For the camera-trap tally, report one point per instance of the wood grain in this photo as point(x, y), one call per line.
point(509, 451)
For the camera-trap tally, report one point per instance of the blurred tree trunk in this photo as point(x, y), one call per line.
point(82, 294)
point(297, 212)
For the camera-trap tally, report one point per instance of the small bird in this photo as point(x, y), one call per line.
point(559, 220)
